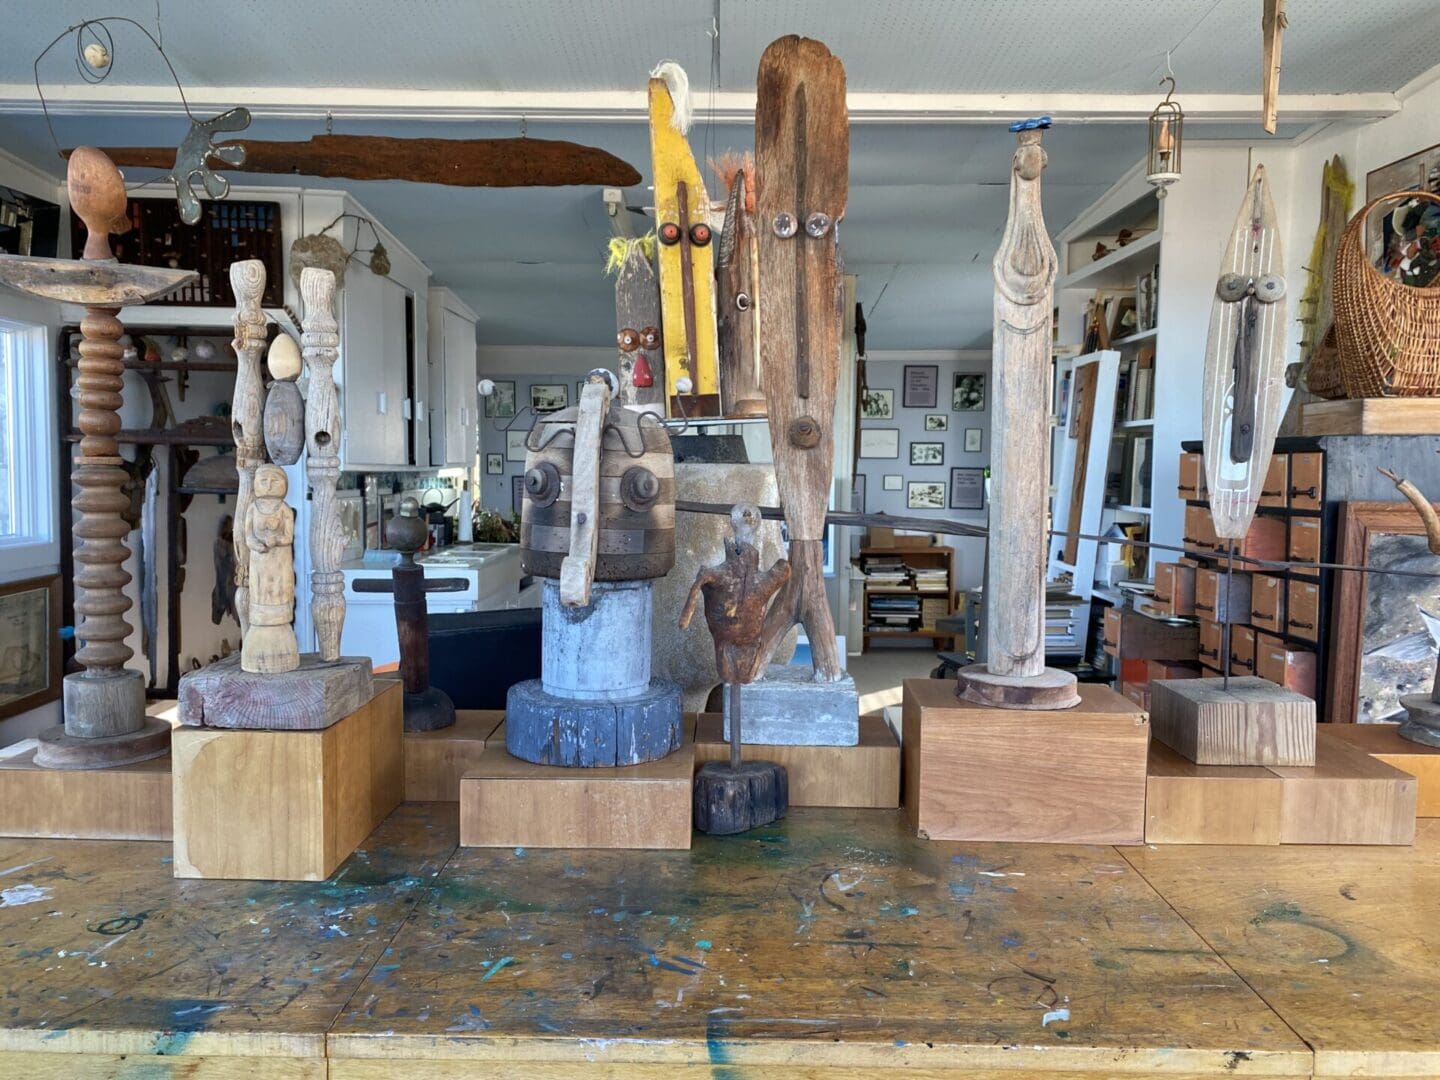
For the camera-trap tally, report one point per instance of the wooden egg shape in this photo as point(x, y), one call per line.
point(284, 423)
point(283, 359)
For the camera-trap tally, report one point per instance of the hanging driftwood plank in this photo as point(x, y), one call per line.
point(637, 329)
point(740, 392)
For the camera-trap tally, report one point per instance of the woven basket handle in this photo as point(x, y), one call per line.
point(1353, 235)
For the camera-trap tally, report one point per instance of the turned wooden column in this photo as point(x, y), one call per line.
point(247, 280)
point(320, 343)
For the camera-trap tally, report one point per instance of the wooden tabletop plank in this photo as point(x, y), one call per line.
point(830, 941)
point(1341, 942)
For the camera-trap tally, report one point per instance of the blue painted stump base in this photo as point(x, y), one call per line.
point(550, 730)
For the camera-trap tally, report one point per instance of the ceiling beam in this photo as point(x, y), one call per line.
point(610, 106)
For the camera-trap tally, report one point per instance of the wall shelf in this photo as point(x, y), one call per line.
point(1118, 269)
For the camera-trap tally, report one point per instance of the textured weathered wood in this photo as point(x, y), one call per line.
point(1245, 363)
point(577, 570)
point(320, 342)
point(802, 161)
point(1383, 742)
point(1372, 416)
point(268, 528)
point(1082, 422)
point(315, 695)
point(130, 802)
point(247, 281)
point(864, 775)
point(735, 296)
point(641, 364)
point(112, 700)
point(96, 191)
point(1349, 797)
point(507, 802)
point(99, 285)
point(1050, 689)
point(285, 805)
point(435, 760)
point(1272, 22)
point(427, 708)
point(523, 162)
point(1249, 722)
point(284, 423)
point(735, 799)
point(972, 772)
point(1187, 803)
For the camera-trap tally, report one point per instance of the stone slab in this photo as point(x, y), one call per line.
point(787, 707)
point(314, 696)
point(546, 729)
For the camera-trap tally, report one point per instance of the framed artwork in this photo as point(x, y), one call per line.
point(1124, 320)
point(30, 658)
point(1384, 626)
point(1403, 237)
point(517, 492)
point(969, 394)
point(857, 494)
point(892, 482)
point(515, 444)
point(974, 440)
point(967, 489)
point(937, 422)
point(922, 386)
point(925, 495)
point(494, 464)
point(878, 405)
point(549, 397)
point(927, 453)
point(879, 442)
point(501, 404)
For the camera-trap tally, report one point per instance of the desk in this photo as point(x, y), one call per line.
point(829, 945)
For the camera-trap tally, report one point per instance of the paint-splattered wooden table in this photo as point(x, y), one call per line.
point(829, 945)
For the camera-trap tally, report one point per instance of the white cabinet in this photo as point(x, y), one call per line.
point(453, 398)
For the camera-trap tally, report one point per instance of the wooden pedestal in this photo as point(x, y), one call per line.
point(1252, 722)
point(1372, 416)
point(1382, 742)
point(129, 802)
point(506, 802)
point(1074, 776)
point(1187, 803)
point(865, 775)
point(285, 805)
point(1349, 797)
point(436, 760)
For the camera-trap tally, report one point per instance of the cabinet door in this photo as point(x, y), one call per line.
point(460, 394)
point(373, 359)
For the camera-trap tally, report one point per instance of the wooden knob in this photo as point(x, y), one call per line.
point(97, 196)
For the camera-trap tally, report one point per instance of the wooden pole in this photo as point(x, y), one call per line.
point(320, 343)
point(247, 280)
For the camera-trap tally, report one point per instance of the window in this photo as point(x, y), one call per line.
point(27, 449)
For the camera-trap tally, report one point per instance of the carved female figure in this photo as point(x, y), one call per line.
point(269, 531)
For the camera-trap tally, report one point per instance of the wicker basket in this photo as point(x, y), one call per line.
point(1322, 374)
point(1388, 333)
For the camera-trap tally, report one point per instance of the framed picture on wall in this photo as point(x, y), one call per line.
point(974, 440)
point(857, 494)
point(549, 397)
point(927, 453)
point(501, 404)
point(922, 386)
point(937, 422)
point(494, 464)
point(925, 495)
point(30, 661)
point(892, 482)
point(969, 392)
point(515, 444)
point(517, 492)
point(1400, 236)
point(967, 489)
point(879, 442)
point(878, 405)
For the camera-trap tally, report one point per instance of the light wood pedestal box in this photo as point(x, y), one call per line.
point(1250, 721)
point(507, 802)
point(1383, 742)
point(131, 802)
point(866, 775)
point(1067, 776)
point(285, 805)
point(436, 760)
point(1187, 803)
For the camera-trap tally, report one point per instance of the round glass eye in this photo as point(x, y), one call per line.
point(1269, 288)
point(785, 225)
point(1232, 287)
point(628, 340)
point(817, 224)
point(669, 233)
point(650, 337)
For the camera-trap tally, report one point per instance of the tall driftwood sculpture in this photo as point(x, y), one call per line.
point(268, 529)
point(802, 153)
point(321, 341)
point(735, 276)
point(247, 280)
point(641, 363)
point(105, 722)
point(1014, 674)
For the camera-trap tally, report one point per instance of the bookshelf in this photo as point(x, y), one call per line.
point(906, 591)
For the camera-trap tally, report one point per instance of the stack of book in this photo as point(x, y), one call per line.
point(885, 572)
point(931, 579)
point(891, 614)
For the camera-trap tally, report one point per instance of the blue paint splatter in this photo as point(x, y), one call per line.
point(371, 920)
point(167, 859)
point(961, 889)
point(964, 860)
point(716, 1028)
point(504, 961)
point(170, 1043)
point(703, 945)
point(519, 852)
point(1010, 941)
point(1053, 1015)
point(384, 971)
point(619, 916)
point(907, 911)
point(567, 956)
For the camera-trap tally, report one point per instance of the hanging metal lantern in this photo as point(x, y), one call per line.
point(1162, 164)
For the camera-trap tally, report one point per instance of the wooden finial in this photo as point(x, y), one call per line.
point(97, 195)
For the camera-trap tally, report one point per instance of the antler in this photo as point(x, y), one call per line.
point(1422, 506)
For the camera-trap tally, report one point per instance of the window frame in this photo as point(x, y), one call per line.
point(34, 545)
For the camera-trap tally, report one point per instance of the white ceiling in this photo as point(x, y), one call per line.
point(927, 201)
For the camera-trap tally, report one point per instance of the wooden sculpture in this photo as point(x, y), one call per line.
point(686, 257)
point(1245, 363)
point(1014, 674)
point(247, 280)
point(637, 326)
point(1422, 719)
point(105, 722)
point(735, 275)
point(735, 796)
point(268, 529)
point(321, 342)
point(802, 152)
point(1272, 23)
point(284, 419)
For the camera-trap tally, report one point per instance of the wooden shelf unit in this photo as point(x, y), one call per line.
point(939, 555)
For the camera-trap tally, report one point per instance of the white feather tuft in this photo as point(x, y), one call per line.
point(678, 83)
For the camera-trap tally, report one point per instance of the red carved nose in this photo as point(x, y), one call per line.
point(641, 375)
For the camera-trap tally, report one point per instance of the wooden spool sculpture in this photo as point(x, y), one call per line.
point(320, 342)
point(105, 722)
point(247, 280)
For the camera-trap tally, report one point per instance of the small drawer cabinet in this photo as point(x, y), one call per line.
point(1267, 603)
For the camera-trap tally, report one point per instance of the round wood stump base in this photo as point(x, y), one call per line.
point(729, 801)
point(429, 710)
point(547, 729)
point(1422, 723)
point(1050, 689)
point(58, 750)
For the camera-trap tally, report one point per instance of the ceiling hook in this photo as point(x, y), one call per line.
point(329, 122)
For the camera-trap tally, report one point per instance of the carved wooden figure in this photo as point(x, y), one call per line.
point(735, 276)
point(268, 529)
point(321, 341)
point(105, 722)
point(1014, 674)
point(802, 153)
point(247, 280)
point(637, 328)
